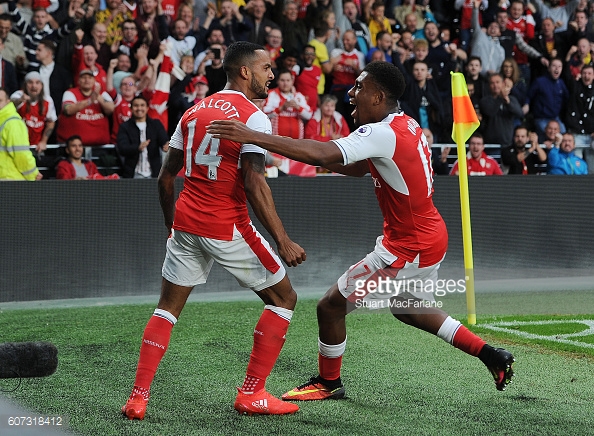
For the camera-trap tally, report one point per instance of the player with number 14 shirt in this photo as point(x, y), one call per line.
point(213, 200)
point(209, 222)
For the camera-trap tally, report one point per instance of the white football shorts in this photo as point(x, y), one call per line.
point(381, 275)
point(189, 259)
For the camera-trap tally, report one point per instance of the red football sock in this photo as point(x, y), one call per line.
point(467, 341)
point(269, 338)
point(329, 367)
point(154, 344)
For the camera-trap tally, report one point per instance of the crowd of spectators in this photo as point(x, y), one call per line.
point(76, 66)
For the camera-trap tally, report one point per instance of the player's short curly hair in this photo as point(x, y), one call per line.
point(238, 54)
point(388, 78)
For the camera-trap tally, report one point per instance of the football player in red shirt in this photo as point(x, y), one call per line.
point(212, 223)
point(392, 147)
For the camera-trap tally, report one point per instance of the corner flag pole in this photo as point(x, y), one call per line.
point(465, 122)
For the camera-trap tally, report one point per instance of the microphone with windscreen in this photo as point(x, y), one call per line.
point(27, 359)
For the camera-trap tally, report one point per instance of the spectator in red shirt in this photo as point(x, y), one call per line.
point(85, 110)
point(74, 167)
point(85, 58)
point(346, 66)
point(287, 109)
point(524, 26)
point(307, 81)
point(326, 123)
point(122, 110)
point(478, 163)
point(37, 109)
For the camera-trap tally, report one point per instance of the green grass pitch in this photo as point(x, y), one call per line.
point(399, 380)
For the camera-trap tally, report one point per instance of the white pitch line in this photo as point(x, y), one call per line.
point(561, 338)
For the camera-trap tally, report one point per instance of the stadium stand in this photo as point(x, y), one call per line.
point(104, 156)
point(108, 160)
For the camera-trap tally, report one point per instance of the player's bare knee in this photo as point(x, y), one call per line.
point(286, 293)
point(331, 306)
point(173, 297)
point(322, 306)
point(280, 296)
point(400, 314)
point(289, 300)
point(402, 317)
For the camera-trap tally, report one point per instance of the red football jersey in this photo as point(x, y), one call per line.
point(90, 123)
point(485, 166)
point(121, 113)
point(33, 118)
point(344, 74)
point(288, 122)
point(400, 164)
point(170, 8)
point(213, 202)
point(525, 27)
point(466, 13)
point(307, 84)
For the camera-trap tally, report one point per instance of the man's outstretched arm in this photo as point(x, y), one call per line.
point(307, 151)
point(259, 195)
point(356, 169)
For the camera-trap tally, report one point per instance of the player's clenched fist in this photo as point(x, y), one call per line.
point(291, 253)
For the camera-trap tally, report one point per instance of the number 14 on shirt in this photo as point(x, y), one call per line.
point(210, 159)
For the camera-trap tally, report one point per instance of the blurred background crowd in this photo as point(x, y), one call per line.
point(89, 73)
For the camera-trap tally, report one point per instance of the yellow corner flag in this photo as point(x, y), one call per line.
point(465, 123)
point(465, 119)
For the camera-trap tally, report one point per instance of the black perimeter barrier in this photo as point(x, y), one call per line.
point(77, 239)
